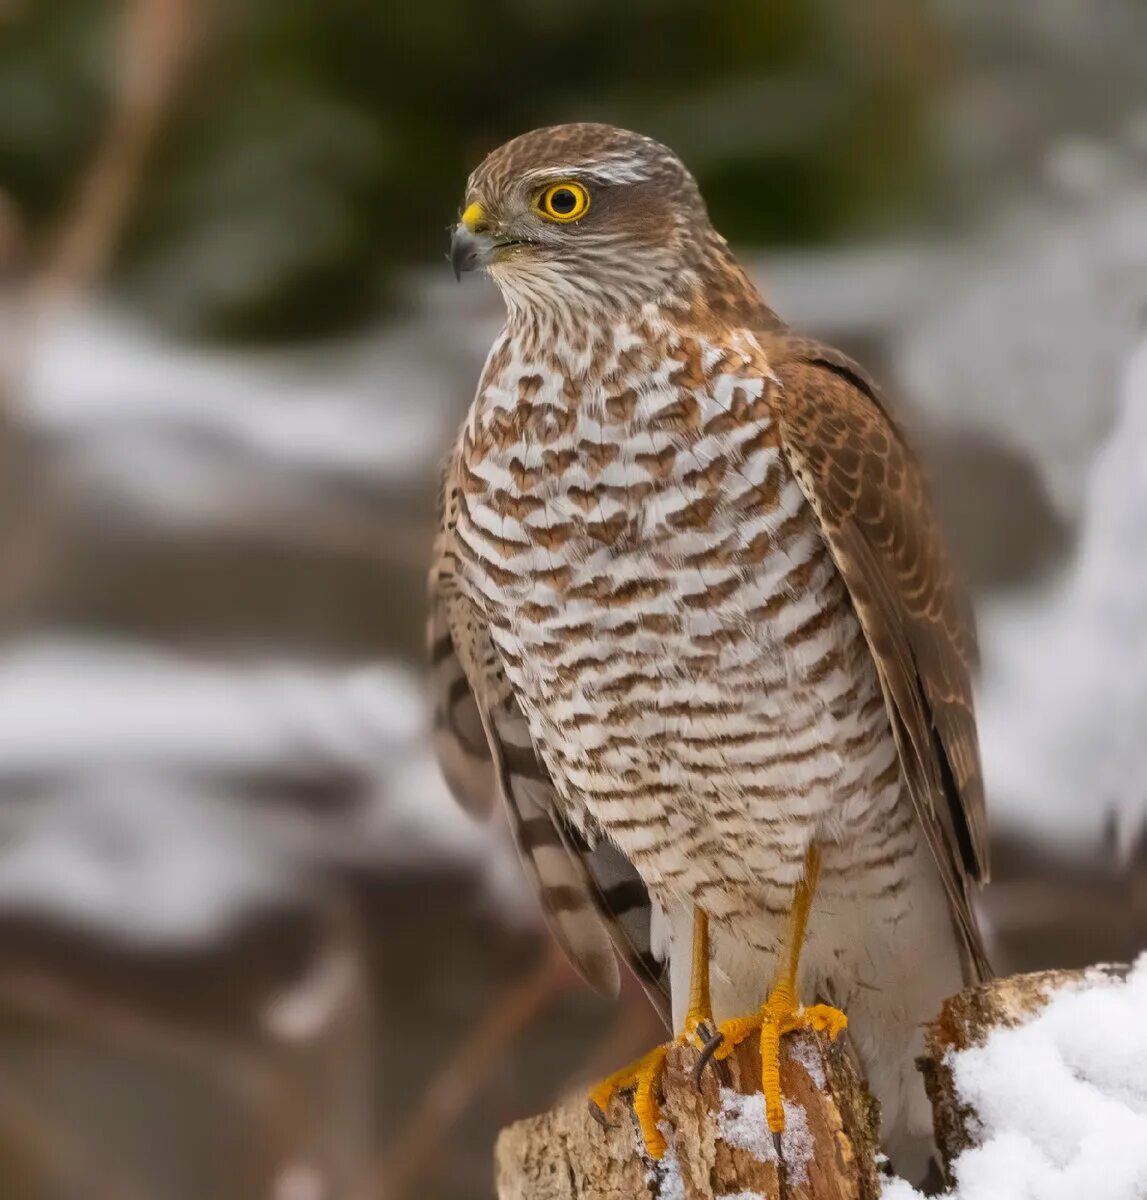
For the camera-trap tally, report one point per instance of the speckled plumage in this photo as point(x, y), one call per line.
point(690, 605)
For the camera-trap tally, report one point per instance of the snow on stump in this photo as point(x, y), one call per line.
point(721, 1146)
point(1038, 1086)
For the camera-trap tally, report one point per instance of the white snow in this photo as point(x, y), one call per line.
point(1062, 1100)
point(182, 436)
point(804, 1051)
point(664, 1177)
point(300, 1181)
point(742, 1124)
point(81, 706)
point(1028, 343)
point(1063, 700)
point(147, 754)
point(136, 859)
point(300, 1012)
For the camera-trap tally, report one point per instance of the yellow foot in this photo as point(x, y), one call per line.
point(780, 1015)
point(643, 1077)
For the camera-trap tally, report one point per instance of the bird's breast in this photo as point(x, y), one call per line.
point(662, 598)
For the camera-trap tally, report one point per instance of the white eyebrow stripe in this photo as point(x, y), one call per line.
point(622, 170)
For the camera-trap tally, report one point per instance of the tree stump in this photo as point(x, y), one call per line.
point(721, 1144)
point(721, 1149)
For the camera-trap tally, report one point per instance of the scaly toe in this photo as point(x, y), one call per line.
point(647, 1106)
point(736, 1030)
point(824, 1019)
point(644, 1078)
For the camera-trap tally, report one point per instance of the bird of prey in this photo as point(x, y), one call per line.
point(692, 619)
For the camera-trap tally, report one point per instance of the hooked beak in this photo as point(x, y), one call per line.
point(474, 243)
point(469, 250)
point(470, 245)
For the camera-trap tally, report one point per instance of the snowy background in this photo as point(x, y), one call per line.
point(248, 947)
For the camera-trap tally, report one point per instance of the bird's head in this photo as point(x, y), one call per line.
point(581, 216)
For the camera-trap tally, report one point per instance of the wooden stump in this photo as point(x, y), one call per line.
point(721, 1144)
point(721, 1147)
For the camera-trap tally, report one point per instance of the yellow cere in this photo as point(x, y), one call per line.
point(474, 217)
point(567, 201)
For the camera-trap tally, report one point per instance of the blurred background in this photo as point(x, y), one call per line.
point(248, 948)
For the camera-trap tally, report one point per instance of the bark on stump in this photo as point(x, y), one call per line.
point(721, 1144)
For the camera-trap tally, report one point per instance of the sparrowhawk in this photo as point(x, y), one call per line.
point(691, 617)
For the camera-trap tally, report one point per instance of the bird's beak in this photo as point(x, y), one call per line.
point(470, 245)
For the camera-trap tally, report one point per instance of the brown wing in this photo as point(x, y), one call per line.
point(593, 899)
point(868, 493)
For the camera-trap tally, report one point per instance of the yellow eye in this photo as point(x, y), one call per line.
point(563, 202)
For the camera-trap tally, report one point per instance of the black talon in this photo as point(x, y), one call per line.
point(707, 1051)
point(597, 1114)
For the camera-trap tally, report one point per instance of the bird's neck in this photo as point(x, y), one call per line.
point(708, 295)
point(716, 292)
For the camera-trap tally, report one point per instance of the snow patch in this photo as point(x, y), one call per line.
point(1062, 1101)
point(301, 1012)
point(1052, 307)
point(134, 858)
point(743, 1125)
point(664, 1178)
point(803, 1050)
point(1059, 727)
point(141, 762)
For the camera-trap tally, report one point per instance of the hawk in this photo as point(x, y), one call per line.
point(692, 619)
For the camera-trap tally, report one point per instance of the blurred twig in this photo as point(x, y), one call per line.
point(155, 42)
point(113, 1023)
point(259, 1085)
point(451, 1091)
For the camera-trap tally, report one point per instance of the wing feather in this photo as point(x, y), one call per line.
point(868, 493)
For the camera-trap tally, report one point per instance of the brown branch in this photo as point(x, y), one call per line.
point(113, 1023)
point(154, 47)
point(69, 1155)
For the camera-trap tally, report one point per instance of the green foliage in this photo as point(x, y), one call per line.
point(321, 144)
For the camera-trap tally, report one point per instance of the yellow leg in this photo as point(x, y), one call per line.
point(781, 1013)
point(644, 1075)
point(700, 1011)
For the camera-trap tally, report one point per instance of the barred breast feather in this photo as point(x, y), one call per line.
point(649, 532)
